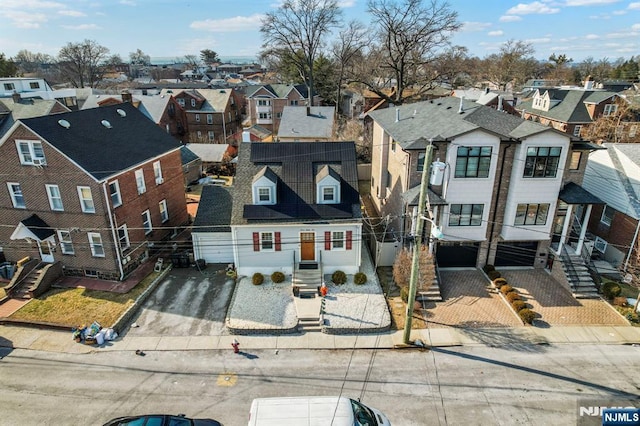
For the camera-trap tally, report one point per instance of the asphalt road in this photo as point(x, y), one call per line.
point(536, 385)
point(187, 303)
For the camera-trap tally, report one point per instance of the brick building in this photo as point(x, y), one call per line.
point(95, 190)
point(265, 104)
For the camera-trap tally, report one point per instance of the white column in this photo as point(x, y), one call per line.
point(565, 227)
point(583, 230)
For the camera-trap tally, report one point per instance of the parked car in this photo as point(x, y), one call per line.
point(161, 420)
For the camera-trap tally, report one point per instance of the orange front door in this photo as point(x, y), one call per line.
point(307, 246)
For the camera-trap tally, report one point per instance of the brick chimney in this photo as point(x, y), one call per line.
point(126, 96)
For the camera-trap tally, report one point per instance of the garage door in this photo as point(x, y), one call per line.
point(516, 253)
point(213, 247)
point(450, 255)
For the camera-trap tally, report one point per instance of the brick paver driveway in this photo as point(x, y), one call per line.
point(555, 304)
point(468, 303)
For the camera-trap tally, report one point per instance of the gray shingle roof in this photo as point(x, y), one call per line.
point(101, 151)
point(440, 119)
point(570, 107)
point(214, 210)
point(295, 123)
point(187, 156)
point(296, 165)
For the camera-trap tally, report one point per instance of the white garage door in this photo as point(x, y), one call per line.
point(213, 247)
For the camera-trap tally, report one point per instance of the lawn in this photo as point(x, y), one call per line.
point(79, 306)
point(627, 291)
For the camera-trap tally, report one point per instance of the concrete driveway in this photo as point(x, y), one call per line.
point(187, 303)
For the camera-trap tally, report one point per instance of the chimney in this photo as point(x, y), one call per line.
point(16, 97)
point(486, 90)
point(308, 110)
point(499, 102)
point(588, 83)
point(397, 114)
point(126, 96)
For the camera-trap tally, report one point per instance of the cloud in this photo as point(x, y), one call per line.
point(128, 2)
point(496, 33)
point(347, 3)
point(535, 8)
point(635, 27)
point(31, 4)
point(71, 13)
point(81, 27)
point(592, 37)
point(471, 27)
point(25, 20)
point(238, 23)
point(634, 6)
point(619, 12)
point(510, 18)
point(589, 2)
point(539, 40)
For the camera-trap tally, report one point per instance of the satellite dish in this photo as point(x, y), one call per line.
point(64, 123)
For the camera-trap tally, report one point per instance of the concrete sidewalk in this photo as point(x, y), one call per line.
point(58, 341)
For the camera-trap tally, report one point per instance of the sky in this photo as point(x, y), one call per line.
point(173, 28)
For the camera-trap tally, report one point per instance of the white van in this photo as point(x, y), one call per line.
point(314, 411)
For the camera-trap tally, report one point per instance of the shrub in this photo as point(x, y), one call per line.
point(360, 278)
point(512, 296)
point(611, 289)
point(527, 315)
point(339, 277)
point(404, 294)
point(488, 268)
point(277, 277)
point(493, 275)
point(257, 278)
point(518, 305)
point(506, 289)
point(499, 282)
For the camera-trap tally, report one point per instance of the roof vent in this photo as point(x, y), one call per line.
point(121, 112)
point(64, 123)
point(106, 124)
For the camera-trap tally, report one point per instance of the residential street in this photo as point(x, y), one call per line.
point(538, 385)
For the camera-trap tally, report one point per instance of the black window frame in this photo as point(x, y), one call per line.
point(468, 155)
point(542, 162)
point(531, 210)
point(465, 214)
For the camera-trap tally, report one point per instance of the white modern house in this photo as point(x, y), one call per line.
point(26, 88)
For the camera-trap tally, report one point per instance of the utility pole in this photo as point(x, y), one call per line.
point(413, 281)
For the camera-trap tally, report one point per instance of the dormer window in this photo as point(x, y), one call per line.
point(264, 187)
point(328, 186)
point(264, 194)
point(31, 153)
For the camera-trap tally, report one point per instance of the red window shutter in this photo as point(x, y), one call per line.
point(278, 244)
point(349, 239)
point(256, 241)
point(327, 240)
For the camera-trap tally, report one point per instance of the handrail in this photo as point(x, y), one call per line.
point(293, 269)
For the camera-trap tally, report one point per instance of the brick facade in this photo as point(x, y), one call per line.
point(60, 171)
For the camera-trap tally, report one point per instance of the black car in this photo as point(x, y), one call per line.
point(161, 420)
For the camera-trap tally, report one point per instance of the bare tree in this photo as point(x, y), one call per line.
point(557, 68)
point(410, 34)
point(299, 28)
point(513, 63)
point(30, 62)
point(620, 126)
point(192, 60)
point(139, 58)
point(80, 63)
point(349, 46)
point(453, 66)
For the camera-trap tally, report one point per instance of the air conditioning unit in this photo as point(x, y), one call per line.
point(159, 181)
point(39, 161)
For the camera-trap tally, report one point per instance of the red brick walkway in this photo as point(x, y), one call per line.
point(10, 306)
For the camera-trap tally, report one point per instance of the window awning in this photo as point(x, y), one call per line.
point(34, 228)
